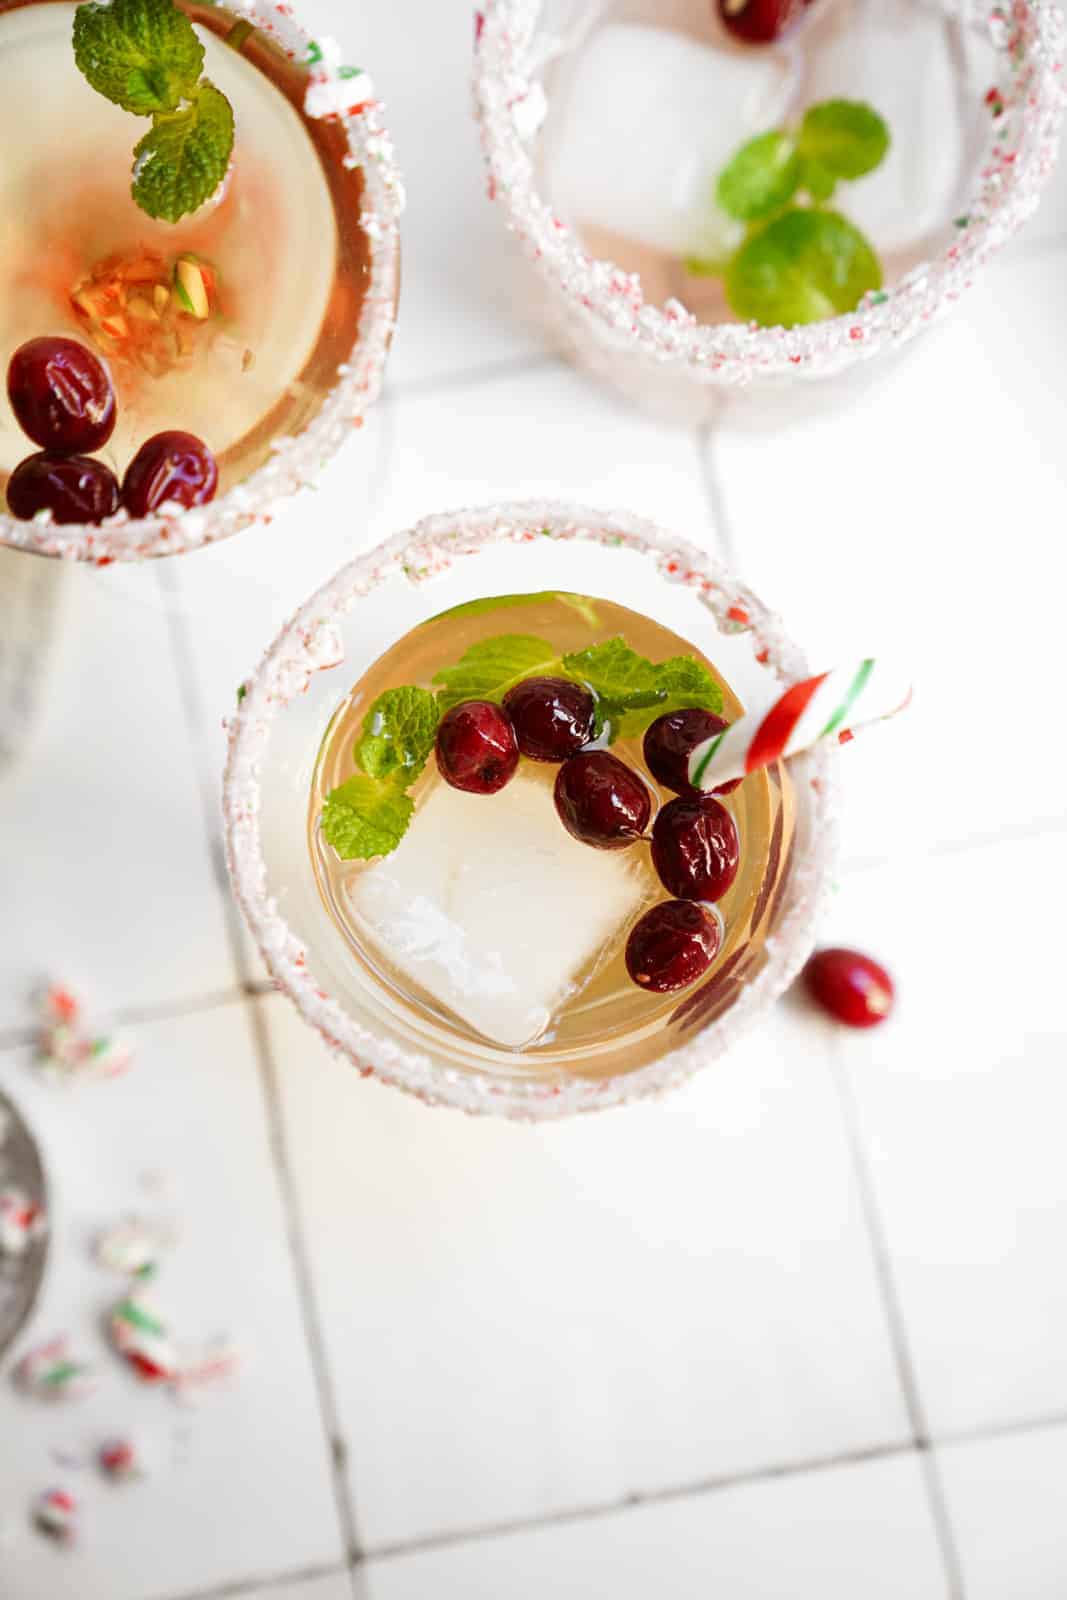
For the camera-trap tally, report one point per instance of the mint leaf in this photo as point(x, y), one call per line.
point(633, 691)
point(817, 181)
point(142, 54)
point(802, 267)
point(183, 160)
point(761, 178)
point(846, 138)
point(498, 602)
point(365, 817)
point(398, 734)
point(489, 669)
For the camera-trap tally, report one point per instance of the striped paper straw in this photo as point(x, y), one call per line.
point(830, 706)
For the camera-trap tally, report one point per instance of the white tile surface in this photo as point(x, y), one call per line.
point(240, 1483)
point(542, 433)
point(105, 875)
point(459, 295)
point(561, 1316)
point(1006, 1500)
point(962, 1101)
point(833, 1534)
point(921, 523)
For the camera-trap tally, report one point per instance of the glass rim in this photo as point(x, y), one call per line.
point(1023, 147)
point(310, 642)
point(295, 458)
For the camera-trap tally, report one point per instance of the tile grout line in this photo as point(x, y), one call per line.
point(195, 713)
point(639, 1500)
point(898, 1338)
point(298, 1253)
point(704, 439)
point(253, 1586)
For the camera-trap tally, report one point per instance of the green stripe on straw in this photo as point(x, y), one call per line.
point(705, 760)
point(854, 689)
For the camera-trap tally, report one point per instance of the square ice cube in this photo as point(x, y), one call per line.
point(643, 120)
point(490, 906)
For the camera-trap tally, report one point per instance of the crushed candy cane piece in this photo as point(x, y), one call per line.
point(22, 1221)
point(139, 1334)
point(68, 1049)
point(133, 1247)
point(120, 1460)
point(49, 1372)
point(55, 1513)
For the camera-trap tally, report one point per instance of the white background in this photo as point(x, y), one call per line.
point(799, 1331)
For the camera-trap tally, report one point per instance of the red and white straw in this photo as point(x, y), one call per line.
point(830, 706)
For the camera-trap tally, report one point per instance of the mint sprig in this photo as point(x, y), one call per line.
point(799, 263)
point(369, 814)
point(144, 55)
point(398, 734)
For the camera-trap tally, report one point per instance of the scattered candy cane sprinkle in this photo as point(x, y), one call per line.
point(133, 1247)
point(67, 1049)
point(21, 1222)
point(54, 1513)
point(140, 1335)
point(49, 1372)
point(120, 1461)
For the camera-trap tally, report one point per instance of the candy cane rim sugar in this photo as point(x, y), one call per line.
point(475, 952)
point(258, 324)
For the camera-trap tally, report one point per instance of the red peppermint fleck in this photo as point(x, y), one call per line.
point(737, 614)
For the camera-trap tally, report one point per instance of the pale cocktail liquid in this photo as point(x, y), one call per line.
point(282, 241)
point(516, 873)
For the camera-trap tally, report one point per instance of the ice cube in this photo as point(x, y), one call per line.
point(493, 909)
point(904, 65)
point(643, 120)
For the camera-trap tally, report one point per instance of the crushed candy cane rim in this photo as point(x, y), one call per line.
point(310, 641)
point(1026, 112)
point(340, 93)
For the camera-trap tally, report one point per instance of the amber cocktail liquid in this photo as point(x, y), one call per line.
point(230, 324)
point(491, 925)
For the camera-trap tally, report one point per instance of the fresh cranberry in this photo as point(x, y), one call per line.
point(850, 986)
point(61, 395)
point(72, 488)
point(476, 748)
point(552, 717)
point(695, 848)
point(172, 466)
point(601, 800)
point(760, 21)
point(671, 740)
point(672, 946)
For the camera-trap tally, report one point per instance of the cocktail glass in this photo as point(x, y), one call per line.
point(633, 317)
point(307, 225)
point(277, 733)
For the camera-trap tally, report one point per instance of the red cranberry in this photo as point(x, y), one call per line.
point(671, 740)
point(601, 800)
point(476, 748)
point(672, 946)
point(695, 848)
point(171, 466)
point(61, 395)
point(760, 21)
point(552, 717)
point(72, 488)
point(850, 986)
